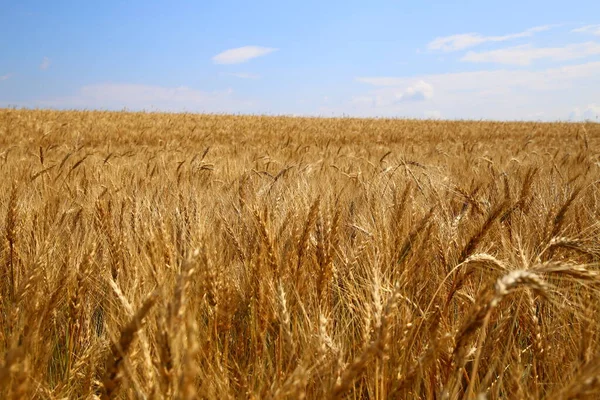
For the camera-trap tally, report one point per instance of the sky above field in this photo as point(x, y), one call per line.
point(523, 60)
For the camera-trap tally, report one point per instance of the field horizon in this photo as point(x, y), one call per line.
point(296, 116)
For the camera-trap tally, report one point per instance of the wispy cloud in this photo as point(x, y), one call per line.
point(547, 79)
point(591, 29)
point(467, 40)
point(527, 54)
point(242, 75)
point(384, 81)
point(5, 77)
point(45, 64)
point(242, 54)
point(591, 112)
point(494, 94)
point(147, 97)
point(414, 92)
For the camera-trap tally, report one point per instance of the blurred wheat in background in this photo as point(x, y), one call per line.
point(152, 256)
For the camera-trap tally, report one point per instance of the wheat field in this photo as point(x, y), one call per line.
point(158, 256)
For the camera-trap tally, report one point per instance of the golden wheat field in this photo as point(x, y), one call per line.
point(158, 256)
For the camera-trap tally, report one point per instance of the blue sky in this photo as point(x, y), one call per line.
point(532, 60)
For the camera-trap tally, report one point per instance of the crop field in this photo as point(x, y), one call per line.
point(158, 256)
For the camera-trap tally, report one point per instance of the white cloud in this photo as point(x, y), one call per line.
point(548, 79)
point(466, 40)
point(590, 112)
point(414, 92)
point(45, 64)
point(5, 77)
point(242, 75)
point(421, 90)
point(115, 96)
point(591, 29)
point(526, 54)
point(241, 54)
point(492, 94)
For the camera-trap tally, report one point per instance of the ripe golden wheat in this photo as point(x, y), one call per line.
point(153, 256)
